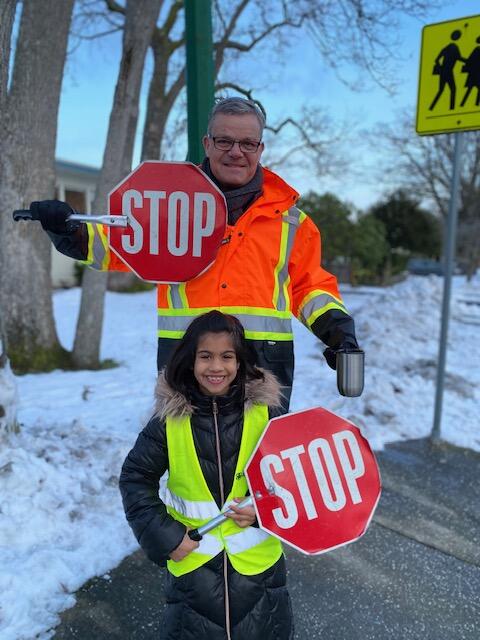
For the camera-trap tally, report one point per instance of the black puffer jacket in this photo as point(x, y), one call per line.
point(214, 602)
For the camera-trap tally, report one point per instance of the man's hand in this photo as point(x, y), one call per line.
point(242, 517)
point(330, 353)
point(53, 215)
point(184, 548)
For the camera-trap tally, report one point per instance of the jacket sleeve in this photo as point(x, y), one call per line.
point(156, 531)
point(89, 244)
point(74, 245)
point(316, 300)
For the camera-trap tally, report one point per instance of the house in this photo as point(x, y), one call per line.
point(76, 184)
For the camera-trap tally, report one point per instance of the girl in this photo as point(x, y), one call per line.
point(212, 406)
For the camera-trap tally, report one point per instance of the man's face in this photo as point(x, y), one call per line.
point(233, 168)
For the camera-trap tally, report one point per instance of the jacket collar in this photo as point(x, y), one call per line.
point(276, 192)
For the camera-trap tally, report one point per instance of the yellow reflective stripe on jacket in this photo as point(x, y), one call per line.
point(264, 323)
point(316, 304)
point(177, 296)
point(290, 223)
point(189, 500)
point(98, 255)
point(259, 324)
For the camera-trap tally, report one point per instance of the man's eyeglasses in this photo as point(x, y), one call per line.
point(225, 144)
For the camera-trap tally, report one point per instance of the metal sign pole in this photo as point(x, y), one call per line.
point(200, 73)
point(449, 260)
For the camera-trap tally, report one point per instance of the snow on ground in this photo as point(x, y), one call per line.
point(399, 329)
point(8, 395)
point(61, 519)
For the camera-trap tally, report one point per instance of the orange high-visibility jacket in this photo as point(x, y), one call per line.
point(267, 268)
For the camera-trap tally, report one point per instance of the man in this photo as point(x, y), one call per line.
point(267, 268)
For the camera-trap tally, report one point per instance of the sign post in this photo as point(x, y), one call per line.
point(449, 102)
point(449, 254)
point(199, 71)
point(176, 221)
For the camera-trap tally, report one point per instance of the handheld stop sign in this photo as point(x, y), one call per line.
point(313, 480)
point(176, 221)
point(166, 221)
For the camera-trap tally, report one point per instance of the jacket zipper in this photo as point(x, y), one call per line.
point(222, 500)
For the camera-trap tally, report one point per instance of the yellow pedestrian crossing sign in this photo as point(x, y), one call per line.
point(449, 80)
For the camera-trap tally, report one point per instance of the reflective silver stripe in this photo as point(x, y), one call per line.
point(177, 302)
point(209, 545)
point(192, 509)
point(292, 219)
point(260, 324)
point(246, 539)
point(319, 302)
point(98, 249)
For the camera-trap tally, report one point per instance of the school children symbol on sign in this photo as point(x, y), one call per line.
point(449, 80)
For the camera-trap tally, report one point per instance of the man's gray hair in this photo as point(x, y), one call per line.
point(236, 107)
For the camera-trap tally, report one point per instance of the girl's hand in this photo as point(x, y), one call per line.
point(242, 517)
point(184, 548)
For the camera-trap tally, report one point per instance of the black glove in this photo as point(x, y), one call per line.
point(330, 353)
point(53, 215)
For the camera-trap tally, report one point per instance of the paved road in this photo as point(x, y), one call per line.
point(415, 575)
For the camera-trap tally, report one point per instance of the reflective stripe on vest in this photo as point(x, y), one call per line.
point(177, 298)
point(316, 304)
point(291, 220)
point(98, 254)
point(259, 324)
point(189, 500)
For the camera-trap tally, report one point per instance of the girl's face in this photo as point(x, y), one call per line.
point(215, 364)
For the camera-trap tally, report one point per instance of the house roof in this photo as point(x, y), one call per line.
point(66, 166)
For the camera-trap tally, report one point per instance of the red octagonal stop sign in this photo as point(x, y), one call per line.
point(177, 219)
point(314, 480)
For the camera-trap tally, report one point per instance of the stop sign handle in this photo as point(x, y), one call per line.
point(197, 534)
point(108, 220)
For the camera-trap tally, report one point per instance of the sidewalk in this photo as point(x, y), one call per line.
point(415, 575)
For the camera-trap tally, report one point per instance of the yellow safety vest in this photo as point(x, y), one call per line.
point(189, 500)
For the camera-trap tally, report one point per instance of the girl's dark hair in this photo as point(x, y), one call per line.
point(179, 371)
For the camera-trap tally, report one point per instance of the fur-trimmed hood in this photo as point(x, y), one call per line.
point(169, 402)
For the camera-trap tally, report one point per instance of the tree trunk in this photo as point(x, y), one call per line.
point(8, 391)
point(8, 396)
point(27, 152)
point(160, 101)
point(140, 20)
point(159, 105)
point(7, 15)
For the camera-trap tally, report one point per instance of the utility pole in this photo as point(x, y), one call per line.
point(199, 70)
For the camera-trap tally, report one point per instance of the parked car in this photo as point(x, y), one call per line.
point(427, 266)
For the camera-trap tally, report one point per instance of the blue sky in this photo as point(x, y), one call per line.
point(302, 80)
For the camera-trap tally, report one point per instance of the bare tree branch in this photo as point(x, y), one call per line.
point(99, 34)
point(115, 7)
point(424, 166)
point(248, 93)
point(365, 34)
